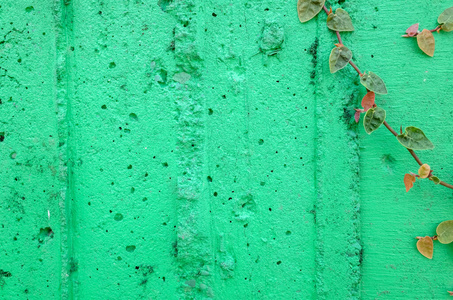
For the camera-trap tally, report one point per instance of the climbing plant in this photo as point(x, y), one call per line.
point(412, 138)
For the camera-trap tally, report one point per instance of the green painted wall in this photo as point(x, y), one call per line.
point(202, 150)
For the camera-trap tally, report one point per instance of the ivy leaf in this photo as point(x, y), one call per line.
point(446, 19)
point(426, 43)
point(357, 114)
point(409, 180)
point(374, 118)
point(374, 83)
point(368, 100)
point(435, 179)
point(414, 138)
point(424, 171)
point(339, 58)
point(308, 9)
point(340, 21)
point(412, 30)
point(445, 232)
point(425, 246)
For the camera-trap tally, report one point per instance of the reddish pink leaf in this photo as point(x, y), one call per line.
point(357, 116)
point(412, 31)
point(368, 100)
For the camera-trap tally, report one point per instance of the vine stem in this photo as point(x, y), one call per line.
point(435, 29)
point(417, 159)
point(432, 30)
point(355, 68)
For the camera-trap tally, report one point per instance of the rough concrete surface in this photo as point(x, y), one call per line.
point(202, 150)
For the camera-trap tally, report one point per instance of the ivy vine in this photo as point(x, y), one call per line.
point(412, 138)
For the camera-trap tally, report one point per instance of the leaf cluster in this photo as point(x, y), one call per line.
point(425, 38)
point(423, 172)
point(444, 235)
point(338, 21)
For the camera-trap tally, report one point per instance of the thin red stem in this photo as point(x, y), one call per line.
point(446, 185)
point(390, 128)
point(435, 29)
point(415, 157)
point(339, 37)
point(355, 67)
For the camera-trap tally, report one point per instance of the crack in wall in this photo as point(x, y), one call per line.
point(63, 13)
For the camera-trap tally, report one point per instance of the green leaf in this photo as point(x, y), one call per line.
point(374, 83)
point(435, 179)
point(446, 19)
point(414, 138)
point(426, 42)
point(445, 232)
point(340, 21)
point(339, 58)
point(308, 9)
point(373, 119)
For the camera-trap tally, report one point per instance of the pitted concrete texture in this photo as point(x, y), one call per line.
point(202, 150)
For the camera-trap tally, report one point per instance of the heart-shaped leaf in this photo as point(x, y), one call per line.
point(340, 21)
point(374, 118)
point(368, 100)
point(445, 232)
point(339, 58)
point(446, 19)
point(426, 43)
point(412, 30)
point(409, 180)
point(374, 83)
point(424, 171)
point(414, 138)
point(308, 9)
point(435, 179)
point(425, 246)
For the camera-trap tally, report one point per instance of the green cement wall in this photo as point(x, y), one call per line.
point(202, 150)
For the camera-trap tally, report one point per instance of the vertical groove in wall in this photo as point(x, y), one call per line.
point(337, 203)
point(64, 35)
point(354, 242)
point(193, 255)
point(317, 184)
point(355, 248)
